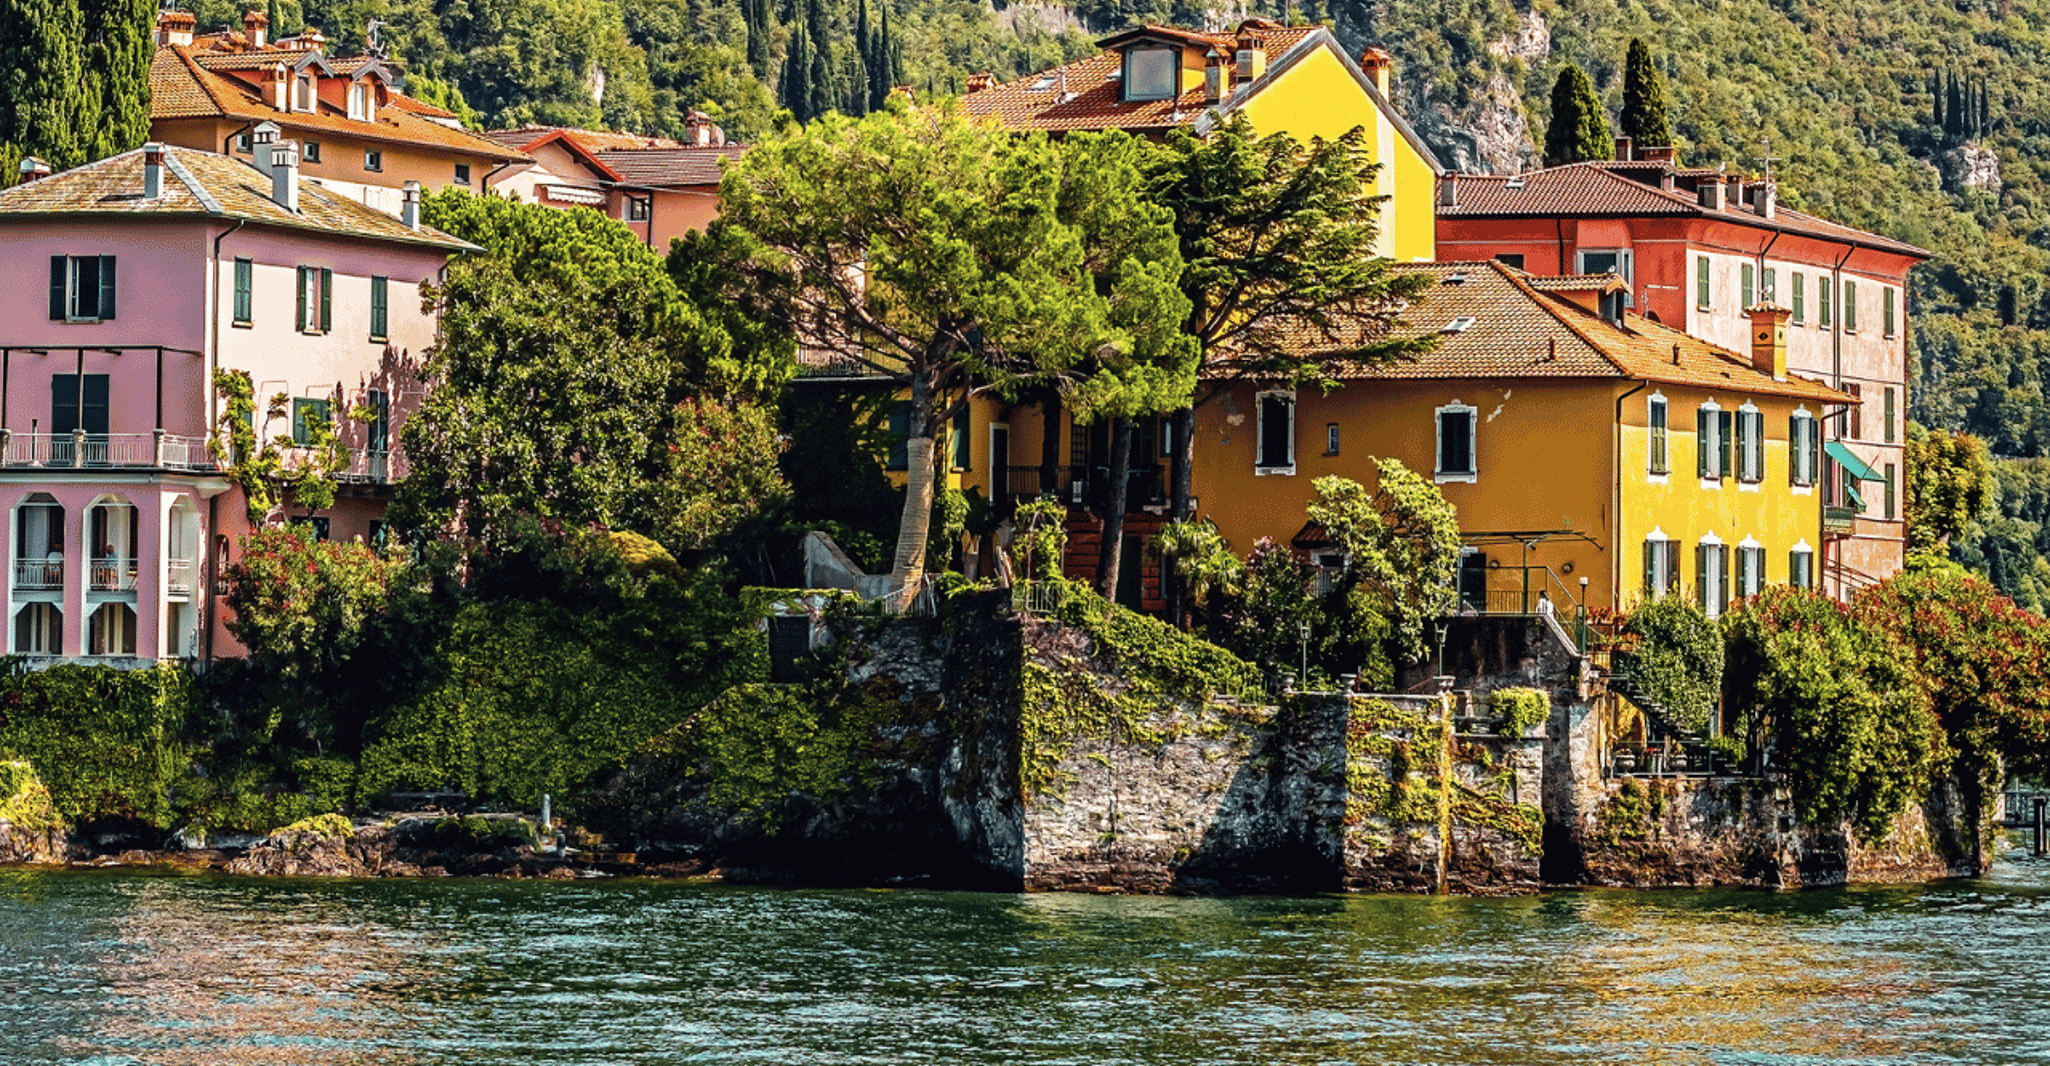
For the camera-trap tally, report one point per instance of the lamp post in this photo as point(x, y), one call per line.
point(1304, 629)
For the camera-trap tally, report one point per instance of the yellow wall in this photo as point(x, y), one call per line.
point(981, 472)
point(1320, 97)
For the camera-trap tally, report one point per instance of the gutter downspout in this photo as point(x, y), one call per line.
point(1762, 253)
point(1836, 381)
point(229, 140)
point(1559, 227)
point(1616, 512)
point(213, 362)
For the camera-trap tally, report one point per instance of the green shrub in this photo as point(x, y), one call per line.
point(1679, 660)
point(1520, 709)
point(24, 802)
point(106, 742)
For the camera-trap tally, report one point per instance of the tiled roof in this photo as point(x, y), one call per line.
point(591, 140)
point(1631, 190)
point(181, 86)
point(204, 184)
point(1086, 94)
point(1492, 322)
point(662, 167)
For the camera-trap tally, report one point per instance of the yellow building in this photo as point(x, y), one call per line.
point(1289, 79)
point(1592, 455)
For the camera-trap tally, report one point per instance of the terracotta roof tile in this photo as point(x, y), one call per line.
point(1491, 321)
point(591, 140)
point(207, 185)
point(1631, 189)
point(661, 167)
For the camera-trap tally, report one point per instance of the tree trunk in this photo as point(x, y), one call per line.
point(1181, 481)
point(1114, 511)
point(1050, 446)
point(907, 567)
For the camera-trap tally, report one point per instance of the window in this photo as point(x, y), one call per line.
point(1801, 566)
point(1701, 282)
point(1825, 296)
point(1712, 432)
point(73, 408)
point(1456, 460)
point(1800, 297)
point(1604, 261)
point(312, 153)
point(1889, 414)
point(900, 438)
point(242, 143)
point(380, 308)
point(1330, 438)
point(359, 101)
point(377, 438)
point(1886, 314)
point(1150, 73)
point(316, 303)
point(1655, 418)
point(1748, 286)
point(1803, 447)
point(1712, 588)
point(81, 288)
point(1277, 434)
point(1661, 565)
point(462, 173)
point(373, 160)
point(1771, 290)
point(39, 629)
point(1510, 260)
point(1856, 422)
point(1850, 306)
point(637, 208)
point(314, 525)
point(1750, 444)
point(112, 630)
point(305, 415)
point(962, 454)
point(1889, 514)
point(1750, 568)
point(243, 270)
point(305, 99)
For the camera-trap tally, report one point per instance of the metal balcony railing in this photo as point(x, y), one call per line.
point(178, 575)
point(113, 574)
point(39, 574)
point(98, 450)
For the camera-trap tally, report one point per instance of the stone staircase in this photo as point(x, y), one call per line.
point(1665, 723)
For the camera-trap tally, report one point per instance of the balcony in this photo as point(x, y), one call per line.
point(41, 574)
point(113, 575)
point(178, 576)
point(90, 451)
point(1080, 486)
point(1838, 519)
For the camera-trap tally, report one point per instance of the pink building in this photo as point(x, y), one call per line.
point(134, 279)
point(661, 189)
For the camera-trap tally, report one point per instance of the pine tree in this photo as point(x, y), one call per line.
point(118, 51)
point(41, 71)
point(1644, 99)
point(1580, 126)
point(796, 87)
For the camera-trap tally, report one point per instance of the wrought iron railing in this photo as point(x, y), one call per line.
point(178, 575)
point(112, 574)
point(39, 574)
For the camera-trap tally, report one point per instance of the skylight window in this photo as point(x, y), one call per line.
point(1513, 183)
point(1459, 325)
point(1456, 279)
point(1045, 82)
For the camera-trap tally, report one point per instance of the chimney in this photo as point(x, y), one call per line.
point(1662, 153)
point(175, 27)
point(281, 87)
point(1448, 189)
point(1214, 87)
point(1379, 67)
point(1767, 199)
point(32, 169)
point(1252, 55)
point(261, 140)
point(979, 82)
point(284, 175)
point(1710, 194)
point(1623, 154)
point(256, 27)
point(311, 39)
point(409, 210)
point(152, 171)
point(1769, 339)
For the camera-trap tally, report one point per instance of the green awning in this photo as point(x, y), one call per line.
point(1852, 465)
point(1851, 493)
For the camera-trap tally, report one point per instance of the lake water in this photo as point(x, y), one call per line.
point(108, 968)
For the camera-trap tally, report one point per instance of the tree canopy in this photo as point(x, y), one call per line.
point(1579, 126)
point(1644, 99)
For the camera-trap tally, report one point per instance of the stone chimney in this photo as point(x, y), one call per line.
point(33, 169)
point(1379, 67)
point(261, 140)
point(979, 82)
point(152, 171)
point(256, 27)
point(1215, 85)
point(175, 27)
point(281, 87)
point(1766, 199)
point(1659, 153)
point(312, 39)
point(1769, 338)
point(1252, 55)
point(1448, 189)
point(1623, 153)
point(409, 209)
point(1710, 194)
point(284, 175)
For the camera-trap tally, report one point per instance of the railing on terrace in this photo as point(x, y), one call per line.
point(113, 574)
point(98, 450)
point(39, 574)
point(1081, 486)
point(364, 467)
point(178, 575)
point(1038, 597)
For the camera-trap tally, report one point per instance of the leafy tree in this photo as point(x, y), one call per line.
point(1644, 99)
point(1264, 622)
point(973, 277)
point(276, 470)
point(560, 373)
point(1678, 661)
point(1949, 485)
point(1579, 128)
point(43, 111)
point(719, 471)
point(1401, 557)
point(1278, 237)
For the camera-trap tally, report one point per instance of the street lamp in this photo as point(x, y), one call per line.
point(1304, 629)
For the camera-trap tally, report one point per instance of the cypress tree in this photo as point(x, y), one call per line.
point(1580, 126)
point(41, 74)
point(277, 19)
point(885, 61)
point(755, 13)
point(1644, 99)
point(118, 50)
point(796, 87)
point(1954, 110)
point(824, 80)
point(859, 94)
point(1936, 99)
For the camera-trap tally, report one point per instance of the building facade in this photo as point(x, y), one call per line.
point(135, 279)
point(1698, 248)
point(661, 189)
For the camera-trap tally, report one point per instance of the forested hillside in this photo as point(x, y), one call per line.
point(1921, 119)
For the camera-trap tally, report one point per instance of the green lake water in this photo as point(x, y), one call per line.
point(105, 968)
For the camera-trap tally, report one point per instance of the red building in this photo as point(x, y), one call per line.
point(1697, 247)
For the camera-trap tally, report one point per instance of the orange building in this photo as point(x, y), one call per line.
point(661, 188)
point(358, 134)
point(1697, 247)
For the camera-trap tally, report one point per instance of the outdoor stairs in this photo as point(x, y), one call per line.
point(1667, 724)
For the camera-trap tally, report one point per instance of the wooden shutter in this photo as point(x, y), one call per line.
point(380, 308)
point(299, 304)
point(106, 288)
point(1701, 565)
point(60, 269)
point(1701, 432)
point(1758, 445)
point(1723, 434)
point(1651, 568)
point(327, 304)
point(1723, 593)
point(1672, 566)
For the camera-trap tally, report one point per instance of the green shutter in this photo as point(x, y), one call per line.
point(1827, 291)
point(242, 284)
point(379, 308)
point(299, 304)
point(1701, 564)
point(1723, 593)
point(1889, 413)
point(1771, 290)
point(1651, 569)
point(60, 286)
point(962, 449)
point(1796, 460)
point(1701, 424)
point(1889, 492)
point(1750, 283)
point(1800, 296)
point(327, 305)
point(1723, 435)
point(1889, 311)
point(1701, 281)
point(1850, 306)
point(106, 288)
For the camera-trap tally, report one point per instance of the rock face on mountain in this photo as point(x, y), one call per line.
point(1488, 135)
point(1970, 166)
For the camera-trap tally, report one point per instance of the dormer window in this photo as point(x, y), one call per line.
point(359, 101)
point(1150, 74)
point(304, 99)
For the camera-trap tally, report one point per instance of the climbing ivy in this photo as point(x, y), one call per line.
point(1521, 709)
point(271, 472)
point(1678, 661)
point(106, 743)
